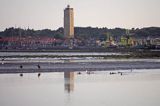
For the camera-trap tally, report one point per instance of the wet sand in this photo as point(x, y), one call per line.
point(77, 66)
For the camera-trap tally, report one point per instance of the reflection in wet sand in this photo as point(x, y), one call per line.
point(69, 81)
point(137, 88)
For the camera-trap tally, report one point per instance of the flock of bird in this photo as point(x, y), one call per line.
point(38, 66)
point(88, 72)
point(21, 67)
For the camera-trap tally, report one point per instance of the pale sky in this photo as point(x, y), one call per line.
point(41, 14)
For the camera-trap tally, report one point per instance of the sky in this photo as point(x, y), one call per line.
point(48, 14)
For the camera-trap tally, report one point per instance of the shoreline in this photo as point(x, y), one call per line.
point(84, 50)
point(112, 53)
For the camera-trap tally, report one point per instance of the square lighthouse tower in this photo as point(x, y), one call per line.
point(68, 23)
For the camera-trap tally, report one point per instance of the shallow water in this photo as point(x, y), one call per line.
point(137, 88)
point(58, 53)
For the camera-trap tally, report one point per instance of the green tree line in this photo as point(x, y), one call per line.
point(83, 32)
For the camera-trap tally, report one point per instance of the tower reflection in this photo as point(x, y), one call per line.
point(69, 81)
